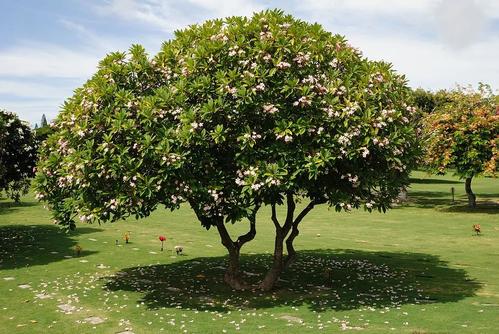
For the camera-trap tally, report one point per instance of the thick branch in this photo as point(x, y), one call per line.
point(304, 212)
point(224, 235)
point(291, 211)
point(295, 231)
point(241, 240)
point(274, 218)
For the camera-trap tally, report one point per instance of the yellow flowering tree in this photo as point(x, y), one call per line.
point(463, 134)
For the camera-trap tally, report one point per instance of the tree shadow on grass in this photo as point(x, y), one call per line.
point(7, 207)
point(31, 245)
point(321, 280)
point(434, 181)
point(442, 201)
point(482, 207)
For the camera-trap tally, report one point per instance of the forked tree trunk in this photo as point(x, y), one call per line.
point(232, 275)
point(469, 193)
point(279, 263)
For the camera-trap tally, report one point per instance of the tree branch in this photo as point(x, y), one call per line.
point(304, 212)
point(274, 218)
point(291, 211)
point(241, 240)
point(224, 234)
point(294, 232)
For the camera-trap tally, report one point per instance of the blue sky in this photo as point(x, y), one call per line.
point(49, 48)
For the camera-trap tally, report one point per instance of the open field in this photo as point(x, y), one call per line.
point(417, 269)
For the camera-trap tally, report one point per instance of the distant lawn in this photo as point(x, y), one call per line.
point(417, 269)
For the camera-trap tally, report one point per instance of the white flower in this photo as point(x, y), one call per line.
point(260, 87)
point(288, 138)
point(301, 59)
point(365, 152)
point(265, 35)
point(283, 65)
point(231, 90)
point(302, 102)
point(333, 63)
point(270, 108)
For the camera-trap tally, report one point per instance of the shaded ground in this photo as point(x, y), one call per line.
point(320, 279)
point(433, 181)
point(10, 206)
point(31, 245)
point(442, 201)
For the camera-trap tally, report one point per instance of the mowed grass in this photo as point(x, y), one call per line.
point(417, 269)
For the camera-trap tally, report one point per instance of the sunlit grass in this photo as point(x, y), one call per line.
point(417, 269)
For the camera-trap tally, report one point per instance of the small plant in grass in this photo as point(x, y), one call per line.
point(77, 249)
point(477, 229)
point(126, 237)
point(162, 239)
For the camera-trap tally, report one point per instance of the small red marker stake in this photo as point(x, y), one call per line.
point(162, 239)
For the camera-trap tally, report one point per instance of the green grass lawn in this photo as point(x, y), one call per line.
point(416, 269)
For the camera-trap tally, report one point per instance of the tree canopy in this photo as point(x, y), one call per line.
point(230, 115)
point(463, 134)
point(17, 155)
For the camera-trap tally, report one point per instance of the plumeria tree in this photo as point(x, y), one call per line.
point(463, 134)
point(17, 155)
point(231, 115)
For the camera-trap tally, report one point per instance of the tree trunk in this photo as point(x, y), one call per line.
point(277, 264)
point(233, 275)
point(469, 192)
point(291, 257)
point(280, 263)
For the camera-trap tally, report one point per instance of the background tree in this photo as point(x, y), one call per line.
point(427, 101)
point(231, 115)
point(43, 122)
point(17, 155)
point(463, 134)
point(43, 131)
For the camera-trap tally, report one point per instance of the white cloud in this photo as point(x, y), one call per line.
point(436, 43)
point(428, 64)
point(26, 89)
point(48, 60)
point(372, 7)
point(460, 22)
point(172, 15)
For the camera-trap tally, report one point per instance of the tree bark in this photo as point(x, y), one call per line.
point(280, 234)
point(277, 267)
point(279, 263)
point(233, 275)
point(291, 257)
point(469, 192)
